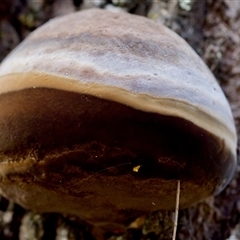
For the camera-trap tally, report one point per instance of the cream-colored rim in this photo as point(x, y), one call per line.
point(170, 107)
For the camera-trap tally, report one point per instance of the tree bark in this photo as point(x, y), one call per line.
point(212, 28)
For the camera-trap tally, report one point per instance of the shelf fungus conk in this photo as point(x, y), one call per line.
point(102, 113)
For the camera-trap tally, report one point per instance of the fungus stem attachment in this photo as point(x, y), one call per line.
point(176, 211)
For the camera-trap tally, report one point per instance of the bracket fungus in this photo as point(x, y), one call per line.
point(102, 113)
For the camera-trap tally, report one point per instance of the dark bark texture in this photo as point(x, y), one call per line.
point(212, 28)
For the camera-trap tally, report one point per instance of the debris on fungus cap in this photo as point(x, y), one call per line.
point(102, 113)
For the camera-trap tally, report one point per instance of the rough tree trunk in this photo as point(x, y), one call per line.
point(212, 28)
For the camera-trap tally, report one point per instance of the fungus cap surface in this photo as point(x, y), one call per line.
point(105, 111)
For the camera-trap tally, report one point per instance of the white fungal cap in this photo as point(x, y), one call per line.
point(124, 58)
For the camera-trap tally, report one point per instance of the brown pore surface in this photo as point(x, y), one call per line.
point(104, 161)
